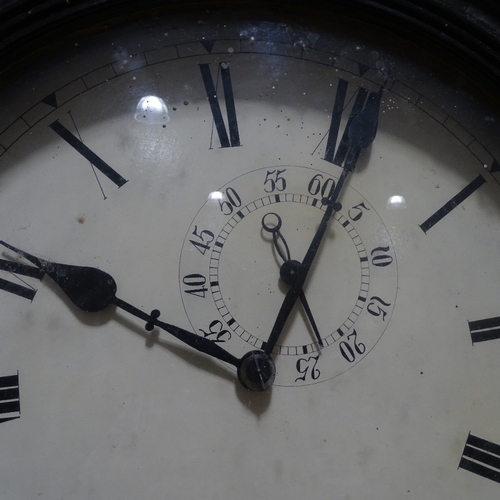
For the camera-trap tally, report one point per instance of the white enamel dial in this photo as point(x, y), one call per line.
point(229, 273)
point(167, 154)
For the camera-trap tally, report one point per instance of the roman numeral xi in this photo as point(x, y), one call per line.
point(95, 160)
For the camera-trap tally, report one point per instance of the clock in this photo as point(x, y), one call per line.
point(249, 251)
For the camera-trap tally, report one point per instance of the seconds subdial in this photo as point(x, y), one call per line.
point(232, 258)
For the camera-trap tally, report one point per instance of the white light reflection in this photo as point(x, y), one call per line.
point(396, 202)
point(152, 110)
point(216, 195)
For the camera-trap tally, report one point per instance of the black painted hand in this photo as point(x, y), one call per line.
point(271, 222)
point(361, 133)
point(93, 290)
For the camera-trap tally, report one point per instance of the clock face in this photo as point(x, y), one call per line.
point(220, 284)
point(316, 198)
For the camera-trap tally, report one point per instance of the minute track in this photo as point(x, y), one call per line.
point(244, 289)
point(224, 306)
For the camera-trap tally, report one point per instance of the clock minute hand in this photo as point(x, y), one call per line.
point(361, 133)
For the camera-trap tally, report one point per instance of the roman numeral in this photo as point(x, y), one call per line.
point(482, 458)
point(233, 138)
point(483, 330)
point(453, 203)
point(23, 269)
point(336, 151)
point(87, 153)
point(10, 407)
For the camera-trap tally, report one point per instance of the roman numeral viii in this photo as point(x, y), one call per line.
point(226, 139)
point(482, 458)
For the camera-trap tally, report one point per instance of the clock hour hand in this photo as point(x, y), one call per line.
point(287, 270)
point(93, 290)
point(361, 132)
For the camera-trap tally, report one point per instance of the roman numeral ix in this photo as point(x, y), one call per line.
point(10, 407)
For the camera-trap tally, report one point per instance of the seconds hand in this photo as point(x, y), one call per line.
point(287, 271)
point(361, 133)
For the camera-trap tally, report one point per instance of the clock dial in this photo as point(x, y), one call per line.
point(308, 212)
point(228, 261)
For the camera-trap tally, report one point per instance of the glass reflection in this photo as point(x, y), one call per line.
point(152, 110)
point(216, 195)
point(396, 202)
